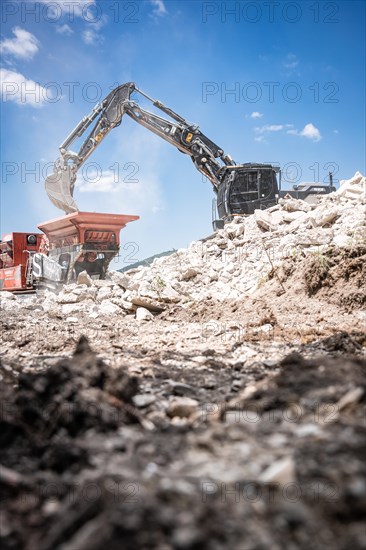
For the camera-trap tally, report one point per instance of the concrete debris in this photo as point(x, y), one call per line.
point(265, 220)
point(188, 274)
point(103, 293)
point(7, 296)
point(225, 422)
point(148, 303)
point(295, 205)
point(353, 188)
point(183, 407)
point(72, 320)
point(230, 265)
point(108, 308)
point(143, 314)
point(282, 471)
point(84, 279)
point(143, 400)
point(120, 279)
point(8, 301)
point(351, 397)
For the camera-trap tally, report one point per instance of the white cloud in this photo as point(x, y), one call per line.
point(309, 131)
point(24, 46)
point(88, 10)
point(100, 182)
point(274, 127)
point(21, 90)
point(97, 25)
point(256, 114)
point(269, 128)
point(64, 29)
point(133, 183)
point(159, 7)
point(79, 8)
point(291, 61)
point(89, 36)
point(142, 194)
point(260, 139)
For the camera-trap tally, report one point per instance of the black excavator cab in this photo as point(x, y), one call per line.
point(245, 188)
point(249, 187)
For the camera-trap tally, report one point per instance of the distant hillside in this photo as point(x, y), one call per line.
point(147, 261)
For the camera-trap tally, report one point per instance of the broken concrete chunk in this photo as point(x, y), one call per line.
point(327, 216)
point(183, 407)
point(357, 179)
point(67, 298)
point(351, 397)
point(143, 314)
point(278, 217)
point(282, 471)
point(120, 278)
point(84, 279)
point(127, 306)
point(353, 189)
point(143, 400)
point(150, 304)
point(169, 294)
point(104, 292)
point(67, 309)
point(295, 205)
point(94, 314)
point(5, 295)
point(298, 215)
point(108, 308)
point(264, 220)
point(188, 274)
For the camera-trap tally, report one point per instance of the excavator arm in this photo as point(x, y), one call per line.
point(208, 157)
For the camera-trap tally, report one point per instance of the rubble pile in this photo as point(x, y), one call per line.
point(223, 404)
point(228, 265)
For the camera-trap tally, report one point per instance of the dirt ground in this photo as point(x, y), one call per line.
point(222, 425)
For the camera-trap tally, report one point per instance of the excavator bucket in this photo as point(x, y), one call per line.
point(59, 187)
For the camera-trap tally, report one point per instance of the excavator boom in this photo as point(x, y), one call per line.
point(240, 189)
point(208, 157)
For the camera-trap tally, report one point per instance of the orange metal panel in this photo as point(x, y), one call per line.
point(12, 278)
point(14, 248)
point(70, 229)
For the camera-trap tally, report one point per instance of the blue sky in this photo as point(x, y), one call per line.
point(276, 82)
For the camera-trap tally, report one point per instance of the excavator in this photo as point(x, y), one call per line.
point(84, 241)
point(240, 188)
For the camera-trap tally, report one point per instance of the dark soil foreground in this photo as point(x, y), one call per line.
point(271, 457)
point(221, 426)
